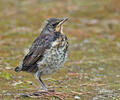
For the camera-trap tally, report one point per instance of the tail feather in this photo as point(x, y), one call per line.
point(17, 69)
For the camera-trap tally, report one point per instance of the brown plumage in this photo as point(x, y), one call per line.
point(48, 52)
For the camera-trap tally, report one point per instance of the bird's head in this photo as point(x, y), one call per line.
point(55, 24)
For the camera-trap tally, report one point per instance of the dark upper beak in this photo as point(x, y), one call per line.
point(62, 21)
point(65, 19)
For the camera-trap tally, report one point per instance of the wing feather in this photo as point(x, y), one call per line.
point(36, 52)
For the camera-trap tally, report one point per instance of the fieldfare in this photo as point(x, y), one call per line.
point(48, 52)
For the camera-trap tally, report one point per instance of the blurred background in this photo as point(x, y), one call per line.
point(92, 71)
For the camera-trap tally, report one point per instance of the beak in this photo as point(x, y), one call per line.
point(59, 26)
point(62, 21)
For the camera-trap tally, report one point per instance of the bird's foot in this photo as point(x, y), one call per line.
point(43, 94)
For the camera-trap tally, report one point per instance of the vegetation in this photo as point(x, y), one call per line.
point(92, 70)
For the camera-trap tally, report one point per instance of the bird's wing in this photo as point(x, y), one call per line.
point(37, 49)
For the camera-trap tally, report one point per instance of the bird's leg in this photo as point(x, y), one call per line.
point(37, 76)
point(42, 84)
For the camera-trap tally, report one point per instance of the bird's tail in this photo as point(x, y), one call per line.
point(17, 69)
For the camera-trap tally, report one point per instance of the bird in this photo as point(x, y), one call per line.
point(48, 52)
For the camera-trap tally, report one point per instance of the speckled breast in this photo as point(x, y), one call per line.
point(54, 57)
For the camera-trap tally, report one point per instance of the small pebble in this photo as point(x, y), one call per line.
point(77, 97)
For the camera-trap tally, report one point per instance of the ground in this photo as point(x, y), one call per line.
point(92, 71)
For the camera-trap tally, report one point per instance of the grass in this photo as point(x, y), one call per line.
point(92, 69)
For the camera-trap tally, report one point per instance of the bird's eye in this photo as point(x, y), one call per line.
point(55, 24)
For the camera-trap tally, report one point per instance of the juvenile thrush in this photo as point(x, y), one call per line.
point(48, 52)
